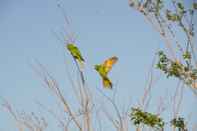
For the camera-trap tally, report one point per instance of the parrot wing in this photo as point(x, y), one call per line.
point(108, 64)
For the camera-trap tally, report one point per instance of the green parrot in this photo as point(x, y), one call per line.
point(104, 69)
point(74, 51)
point(76, 54)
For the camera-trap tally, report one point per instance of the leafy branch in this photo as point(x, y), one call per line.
point(185, 72)
point(140, 117)
point(179, 123)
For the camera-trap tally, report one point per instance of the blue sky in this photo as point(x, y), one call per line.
point(103, 29)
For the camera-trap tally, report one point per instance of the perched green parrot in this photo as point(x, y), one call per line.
point(76, 54)
point(74, 51)
point(103, 70)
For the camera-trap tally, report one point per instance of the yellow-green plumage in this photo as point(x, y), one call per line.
point(74, 51)
point(106, 81)
point(103, 70)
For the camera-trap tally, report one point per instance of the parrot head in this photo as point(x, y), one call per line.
point(97, 67)
point(70, 46)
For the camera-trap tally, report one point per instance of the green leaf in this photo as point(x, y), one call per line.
point(180, 6)
point(187, 55)
point(172, 16)
point(195, 5)
point(178, 123)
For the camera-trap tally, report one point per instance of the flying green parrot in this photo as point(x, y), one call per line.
point(74, 51)
point(103, 70)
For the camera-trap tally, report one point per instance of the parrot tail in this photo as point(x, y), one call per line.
point(107, 83)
